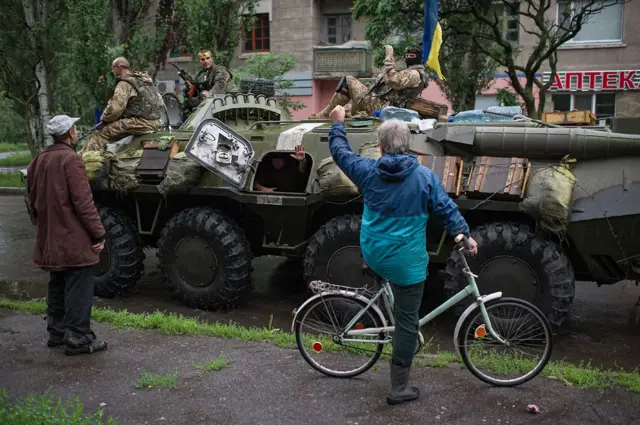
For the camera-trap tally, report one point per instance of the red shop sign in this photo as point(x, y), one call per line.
point(594, 80)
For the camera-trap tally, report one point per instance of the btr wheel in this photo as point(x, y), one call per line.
point(205, 257)
point(122, 259)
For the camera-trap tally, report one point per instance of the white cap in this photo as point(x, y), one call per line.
point(60, 124)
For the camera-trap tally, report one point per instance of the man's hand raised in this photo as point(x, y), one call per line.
point(337, 114)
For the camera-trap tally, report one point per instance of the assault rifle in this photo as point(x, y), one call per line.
point(186, 77)
point(377, 84)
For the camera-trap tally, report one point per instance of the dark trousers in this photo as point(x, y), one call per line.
point(70, 299)
point(406, 309)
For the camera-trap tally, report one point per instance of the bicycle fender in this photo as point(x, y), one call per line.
point(347, 294)
point(468, 311)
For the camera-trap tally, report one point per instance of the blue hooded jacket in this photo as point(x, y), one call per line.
point(398, 195)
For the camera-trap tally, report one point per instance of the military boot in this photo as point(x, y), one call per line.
point(77, 343)
point(55, 327)
point(337, 99)
point(400, 391)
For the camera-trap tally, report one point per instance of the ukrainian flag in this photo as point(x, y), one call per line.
point(432, 37)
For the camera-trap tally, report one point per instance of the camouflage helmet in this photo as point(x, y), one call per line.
point(413, 55)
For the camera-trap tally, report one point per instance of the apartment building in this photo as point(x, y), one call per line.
point(598, 70)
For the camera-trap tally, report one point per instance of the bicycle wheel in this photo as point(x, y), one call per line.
point(525, 329)
point(317, 331)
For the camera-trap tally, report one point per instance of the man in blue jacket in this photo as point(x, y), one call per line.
point(399, 195)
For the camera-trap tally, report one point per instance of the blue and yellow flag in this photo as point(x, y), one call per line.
point(432, 37)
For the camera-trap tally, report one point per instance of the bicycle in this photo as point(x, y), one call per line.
point(369, 326)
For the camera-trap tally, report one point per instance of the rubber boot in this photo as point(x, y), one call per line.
point(400, 391)
point(337, 99)
point(55, 327)
point(83, 344)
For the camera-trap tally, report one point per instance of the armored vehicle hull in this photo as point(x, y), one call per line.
point(535, 239)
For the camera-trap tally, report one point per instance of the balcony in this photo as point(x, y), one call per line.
point(337, 61)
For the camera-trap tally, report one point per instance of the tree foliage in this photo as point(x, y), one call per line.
point(535, 18)
point(401, 22)
point(214, 24)
point(272, 67)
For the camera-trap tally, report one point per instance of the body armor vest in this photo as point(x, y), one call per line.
point(147, 104)
point(400, 98)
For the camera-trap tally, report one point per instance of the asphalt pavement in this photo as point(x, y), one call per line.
point(266, 385)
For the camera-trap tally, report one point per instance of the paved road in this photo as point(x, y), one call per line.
point(265, 385)
point(597, 330)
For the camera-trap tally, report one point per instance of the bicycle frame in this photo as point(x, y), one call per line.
point(387, 294)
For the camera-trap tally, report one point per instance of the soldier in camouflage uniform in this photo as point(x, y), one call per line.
point(135, 108)
point(399, 89)
point(211, 79)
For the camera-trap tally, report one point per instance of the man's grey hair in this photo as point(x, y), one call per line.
point(394, 136)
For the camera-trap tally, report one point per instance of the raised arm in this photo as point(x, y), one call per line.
point(352, 165)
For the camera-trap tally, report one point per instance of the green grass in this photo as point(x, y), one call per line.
point(217, 364)
point(12, 147)
point(11, 179)
point(45, 410)
point(582, 376)
point(151, 380)
point(15, 159)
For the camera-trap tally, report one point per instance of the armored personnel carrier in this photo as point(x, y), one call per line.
point(548, 206)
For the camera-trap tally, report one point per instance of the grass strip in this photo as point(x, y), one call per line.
point(13, 147)
point(11, 179)
point(18, 158)
point(582, 376)
point(45, 409)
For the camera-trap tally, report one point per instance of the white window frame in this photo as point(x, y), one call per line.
point(607, 41)
point(338, 16)
point(581, 93)
point(505, 18)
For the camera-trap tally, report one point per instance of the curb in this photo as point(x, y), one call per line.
point(12, 190)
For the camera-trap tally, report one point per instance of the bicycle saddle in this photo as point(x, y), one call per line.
point(366, 270)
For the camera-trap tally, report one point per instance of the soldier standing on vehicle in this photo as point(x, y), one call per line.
point(400, 87)
point(69, 237)
point(211, 79)
point(135, 108)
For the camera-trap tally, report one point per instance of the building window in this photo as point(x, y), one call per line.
point(338, 28)
point(256, 38)
point(605, 26)
point(603, 105)
point(511, 22)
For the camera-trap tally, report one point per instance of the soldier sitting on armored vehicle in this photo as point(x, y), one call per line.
point(399, 88)
point(135, 108)
point(210, 80)
point(282, 174)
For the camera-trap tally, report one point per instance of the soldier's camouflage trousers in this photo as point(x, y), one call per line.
point(357, 91)
point(118, 130)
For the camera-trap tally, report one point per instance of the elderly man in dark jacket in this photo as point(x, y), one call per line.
point(69, 237)
point(399, 196)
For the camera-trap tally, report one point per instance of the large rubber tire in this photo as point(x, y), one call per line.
point(509, 244)
point(122, 259)
point(231, 277)
point(333, 254)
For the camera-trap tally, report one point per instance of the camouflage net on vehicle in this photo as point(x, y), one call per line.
point(182, 173)
point(548, 197)
point(97, 165)
point(333, 181)
point(123, 170)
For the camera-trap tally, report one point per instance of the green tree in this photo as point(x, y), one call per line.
point(400, 23)
point(214, 24)
point(535, 18)
point(271, 67)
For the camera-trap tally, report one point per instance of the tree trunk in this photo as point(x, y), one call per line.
point(30, 7)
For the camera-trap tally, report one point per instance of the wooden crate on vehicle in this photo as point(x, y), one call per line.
point(448, 169)
point(428, 108)
point(498, 176)
point(570, 118)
